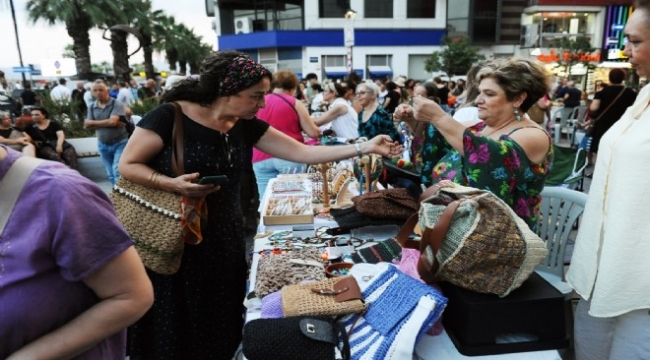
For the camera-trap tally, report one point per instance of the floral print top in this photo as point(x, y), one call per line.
point(501, 167)
point(380, 122)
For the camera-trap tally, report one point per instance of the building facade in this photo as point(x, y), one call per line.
point(388, 37)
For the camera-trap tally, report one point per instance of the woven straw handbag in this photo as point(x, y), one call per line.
point(474, 240)
point(152, 216)
point(332, 297)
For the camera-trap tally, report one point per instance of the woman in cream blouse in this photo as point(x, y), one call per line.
point(610, 268)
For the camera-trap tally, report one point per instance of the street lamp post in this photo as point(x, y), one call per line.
point(348, 37)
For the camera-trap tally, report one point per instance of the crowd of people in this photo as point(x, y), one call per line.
point(237, 116)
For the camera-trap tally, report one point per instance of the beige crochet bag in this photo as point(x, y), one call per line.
point(276, 271)
point(332, 297)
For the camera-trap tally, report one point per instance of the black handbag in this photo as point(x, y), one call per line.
point(295, 338)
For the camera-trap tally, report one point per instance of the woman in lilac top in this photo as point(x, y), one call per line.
point(70, 279)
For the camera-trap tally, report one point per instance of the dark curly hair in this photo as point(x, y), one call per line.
point(204, 89)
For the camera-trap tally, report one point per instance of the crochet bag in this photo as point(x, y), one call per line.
point(276, 271)
point(295, 338)
point(152, 216)
point(474, 240)
point(387, 204)
point(332, 297)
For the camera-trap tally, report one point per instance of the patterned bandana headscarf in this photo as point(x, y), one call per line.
point(243, 72)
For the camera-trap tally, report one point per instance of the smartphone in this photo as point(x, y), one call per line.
point(213, 180)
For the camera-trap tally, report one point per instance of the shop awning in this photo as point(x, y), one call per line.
point(336, 71)
point(380, 71)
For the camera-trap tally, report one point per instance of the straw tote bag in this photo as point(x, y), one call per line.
point(473, 239)
point(152, 216)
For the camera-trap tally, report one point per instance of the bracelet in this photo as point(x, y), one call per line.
point(357, 146)
point(152, 176)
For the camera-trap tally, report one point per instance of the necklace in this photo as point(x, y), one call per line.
point(497, 129)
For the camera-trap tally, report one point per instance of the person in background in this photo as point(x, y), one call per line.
point(609, 267)
point(124, 95)
point(443, 93)
point(561, 88)
point(78, 96)
point(50, 139)
point(382, 91)
point(312, 79)
point(197, 312)
point(28, 97)
point(317, 99)
point(13, 138)
point(393, 98)
point(608, 106)
point(507, 153)
point(61, 93)
point(114, 91)
point(467, 112)
point(89, 99)
point(148, 91)
point(133, 87)
point(340, 113)
point(373, 119)
point(4, 86)
point(104, 117)
point(71, 279)
point(288, 115)
point(572, 96)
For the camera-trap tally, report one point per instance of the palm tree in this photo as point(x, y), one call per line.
point(165, 39)
point(79, 16)
point(20, 53)
point(147, 25)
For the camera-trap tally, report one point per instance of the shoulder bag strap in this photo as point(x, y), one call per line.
point(433, 237)
point(12, 184)
point(610, 105)
point(178, 167)
point(288, 103)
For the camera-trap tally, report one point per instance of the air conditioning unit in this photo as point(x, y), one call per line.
point(243, 25)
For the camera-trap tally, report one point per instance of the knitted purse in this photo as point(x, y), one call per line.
point(383, 251)
point(295, 338)
point(473, 240)
point(276, 271)
point(400, 310)
point(152, 216)
point(331, 297)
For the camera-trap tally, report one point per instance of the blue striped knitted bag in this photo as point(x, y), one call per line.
point(400, 310)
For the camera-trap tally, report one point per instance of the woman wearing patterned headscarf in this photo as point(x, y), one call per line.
point(197, 313)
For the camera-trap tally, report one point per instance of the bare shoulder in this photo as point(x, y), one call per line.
point(534, 140)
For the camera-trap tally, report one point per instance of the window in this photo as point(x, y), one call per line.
point(418, 9)
point(334, 60)
point(485, 21)
point(378, 9)
point(379, 60)
point(333, 8)
point(556, 25)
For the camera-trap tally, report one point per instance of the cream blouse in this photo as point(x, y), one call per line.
point(611, 259)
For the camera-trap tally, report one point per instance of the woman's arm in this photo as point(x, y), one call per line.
point(60, 138)
point(595, 105)
point(125, 294)
point(143, 146)
point(279, 145)
point(331, 114)
point(428, 111)
point(306, 122)
point(386, 101)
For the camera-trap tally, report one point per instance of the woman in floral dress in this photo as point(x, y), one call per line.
point(507, 154)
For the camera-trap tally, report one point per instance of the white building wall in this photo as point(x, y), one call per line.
point(400, 60)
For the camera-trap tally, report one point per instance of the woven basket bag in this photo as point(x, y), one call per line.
point(474, 240)
point(339, 296)
point(152, 216)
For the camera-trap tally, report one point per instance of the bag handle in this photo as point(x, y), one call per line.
point(407, 229)
point(433, 237)
point(178, 167)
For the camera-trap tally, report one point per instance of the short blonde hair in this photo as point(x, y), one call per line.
point(285, 79)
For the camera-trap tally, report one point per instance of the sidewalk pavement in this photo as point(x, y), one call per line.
point(93, 169)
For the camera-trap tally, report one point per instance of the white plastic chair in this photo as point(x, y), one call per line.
point(559, 213)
